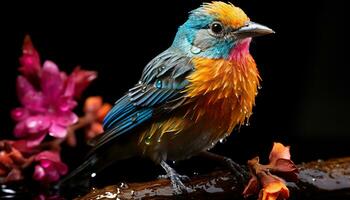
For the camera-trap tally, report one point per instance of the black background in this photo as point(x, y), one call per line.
point(305, 97)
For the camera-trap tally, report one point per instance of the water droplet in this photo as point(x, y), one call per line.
point(144, 89)
point(140, 82)
point(159, 140)
point(132, 192)
point(148, 140)
point(313, 179)
point(174, 162)
point(123, 185)
point(195, 173)
point(195, 50)
point(93, 175)
point(222, 140)
point(159, 84)
point(259, 87)
point(247, 124)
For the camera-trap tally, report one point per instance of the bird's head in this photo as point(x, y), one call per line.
point(215, 29)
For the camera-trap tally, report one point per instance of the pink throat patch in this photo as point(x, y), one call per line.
point(240, 50)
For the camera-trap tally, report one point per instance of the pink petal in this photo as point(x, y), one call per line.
point(23, 87)
point(46, 163)
point(48, 155)
point(51, 81)
point(35, 140)
point(28, 96)
point(57, 131)
point(61, 168)
point(70, 87)
point(37, 124)
point(30, 61)
point(66, 119)
point(82, 79)
point(20, 130)
point(21, 145)
point(66, 104)
point(39, 173)
point(52, 174)
point(19, 114)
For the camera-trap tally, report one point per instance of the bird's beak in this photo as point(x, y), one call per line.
point(252, 29)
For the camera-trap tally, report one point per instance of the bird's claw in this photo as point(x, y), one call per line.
point(178, 186)
point(183, 178)
point(176, 179)
point(236, 169)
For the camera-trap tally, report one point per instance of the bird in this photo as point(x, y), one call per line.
point(188, 98)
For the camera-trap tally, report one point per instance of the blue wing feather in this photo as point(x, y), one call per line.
point(162, 81)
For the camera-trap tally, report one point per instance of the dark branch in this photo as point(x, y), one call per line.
point(317, 180)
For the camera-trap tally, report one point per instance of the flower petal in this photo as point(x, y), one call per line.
point(28, 96)
point(35, 140)
point(252, 187)
point(279, 151)
point(93, 104)
point(65, 104)
point(52, 174)
point(30, 60)
point(19, 114)
point(82, 79)
point(39, 173)
point(57, 131)
point(20, 130)
point(102, 112)
point(70, 87)
point(62, 168)
point(66, 119)
point(51, 81)
point(37, 124)
point(48, 155)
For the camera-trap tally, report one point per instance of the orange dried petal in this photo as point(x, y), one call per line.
point(93, 104)
point(97, 128)
point(275, 190)
point(102, 112)
point(5, 159)
point(279, 151)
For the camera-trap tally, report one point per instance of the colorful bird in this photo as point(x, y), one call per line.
point(189, 97)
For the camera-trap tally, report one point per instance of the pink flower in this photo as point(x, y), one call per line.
point(49, 168)
point(48, 110)
point(47, 97)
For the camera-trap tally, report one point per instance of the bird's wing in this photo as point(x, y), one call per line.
point(161, 84)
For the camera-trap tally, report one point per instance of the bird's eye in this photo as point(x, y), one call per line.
point(216, 28)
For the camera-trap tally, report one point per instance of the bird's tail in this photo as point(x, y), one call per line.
point(80, 178)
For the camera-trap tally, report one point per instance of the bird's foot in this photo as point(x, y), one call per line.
point(183, 178)
point(176, 179)
point(236, 169)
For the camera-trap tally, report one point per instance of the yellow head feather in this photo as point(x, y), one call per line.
point(227, 13)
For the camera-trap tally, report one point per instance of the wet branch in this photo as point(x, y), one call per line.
point(317, 180)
